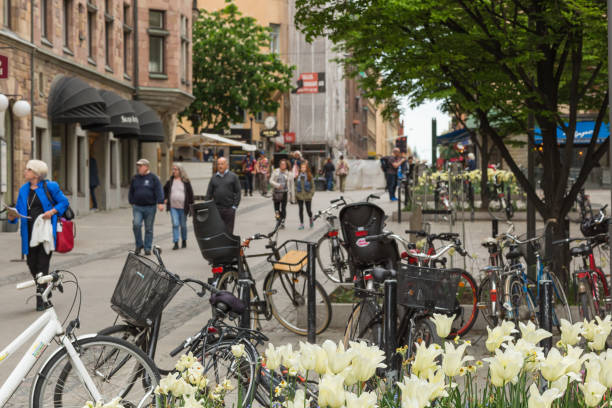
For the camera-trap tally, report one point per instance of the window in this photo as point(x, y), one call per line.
point(127, 35)
point(91, 30)
point(45, 20)
point(108, 45)
point(184, 49)
point(275, 38)
point(6, 14)
point(259, 117)
point(157, 38)
point(59, 156)
point(356, 104)
point(67, 22)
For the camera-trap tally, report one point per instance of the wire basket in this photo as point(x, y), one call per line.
point(293, 256)
point(537, 245)
point(143, 291)
point(428, 288)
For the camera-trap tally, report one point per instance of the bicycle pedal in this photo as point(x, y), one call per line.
point(270, 292)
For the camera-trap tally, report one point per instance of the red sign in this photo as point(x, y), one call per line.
point(289, 137)
point(3, 67)
point(311, 82)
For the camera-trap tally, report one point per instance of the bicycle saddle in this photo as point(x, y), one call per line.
point(580, 250)
point(514, 253)
point(226, 301)
point(381, 274)
point(489, 242)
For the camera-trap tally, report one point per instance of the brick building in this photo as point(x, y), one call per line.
point(139, 50)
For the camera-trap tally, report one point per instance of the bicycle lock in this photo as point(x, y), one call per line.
point(311, 271)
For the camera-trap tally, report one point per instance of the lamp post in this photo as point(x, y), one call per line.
point(21, 108)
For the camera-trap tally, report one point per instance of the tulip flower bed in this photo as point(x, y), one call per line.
point(577, 373)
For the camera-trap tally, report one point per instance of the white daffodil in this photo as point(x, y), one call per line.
point(443, 324)
point(544, 400)
point(425, 359)
point(530, 333)
point(570, 333)
point(505, 366)
point(454, 359)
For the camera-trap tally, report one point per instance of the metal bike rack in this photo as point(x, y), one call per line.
point(390, 327)
point(311, 295)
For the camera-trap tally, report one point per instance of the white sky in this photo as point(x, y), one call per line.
point(417, 126)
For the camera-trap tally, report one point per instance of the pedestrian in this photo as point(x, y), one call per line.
point(33, 202)
point(94, 181)
point(262, 169)
point(342, 170)
point(282, 181)
point(248, 167)
point(304, 191)
point(328, 170)
point(393, 162)
point(179, 198)
point(145, 192)
point(471, 161)
point(296, 163)
point(224, 189)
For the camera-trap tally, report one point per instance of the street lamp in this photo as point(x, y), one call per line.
point(21, 108)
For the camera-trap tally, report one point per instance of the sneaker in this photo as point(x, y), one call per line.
point(282, 225)
point(138, 250)
point(311, 222)
point(147, 252)
point(184, 244)
point(393, 199)
point(175, 246)
point(301, 227)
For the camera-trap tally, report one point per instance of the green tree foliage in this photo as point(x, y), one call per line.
point(499, 60)
point(233, 70)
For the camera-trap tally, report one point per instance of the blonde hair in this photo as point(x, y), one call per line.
point(39, 167)
point(182, 171)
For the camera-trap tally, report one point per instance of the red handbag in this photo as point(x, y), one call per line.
point(66, 231)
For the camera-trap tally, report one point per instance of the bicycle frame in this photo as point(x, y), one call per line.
point(48, 326)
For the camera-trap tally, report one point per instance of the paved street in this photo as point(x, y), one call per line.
point(104, 238)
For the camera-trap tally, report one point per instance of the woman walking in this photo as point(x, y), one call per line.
point(179, 197)
point(304, 192)
point(38, 197)
point(282, 181)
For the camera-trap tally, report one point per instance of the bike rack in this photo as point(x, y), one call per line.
point(390, 329)
point(311, 295)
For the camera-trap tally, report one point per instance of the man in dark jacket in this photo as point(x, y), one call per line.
point(328, 170)
point(145, 192)
point(224, 189)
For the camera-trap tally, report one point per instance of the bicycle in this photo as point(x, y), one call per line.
point(500, 203)
point(467, 291)
point(94, 367)
point(443, 200)
point(520, 303)
point(331, 252)
point(286, 280)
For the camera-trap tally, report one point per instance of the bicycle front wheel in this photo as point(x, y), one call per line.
point(117, 368)
point(333, 259)
point(287, 295)
point(561, 309)
point(488, 304)
point(365, 323)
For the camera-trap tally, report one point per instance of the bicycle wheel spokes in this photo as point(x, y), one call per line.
point(561, 309)
point(332, 260)
point(467, 306)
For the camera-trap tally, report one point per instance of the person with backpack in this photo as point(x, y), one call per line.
point(39, 200)
point(342, 170)
point(282, 181)
point(304, 191)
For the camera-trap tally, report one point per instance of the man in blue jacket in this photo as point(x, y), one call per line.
point(145, 192)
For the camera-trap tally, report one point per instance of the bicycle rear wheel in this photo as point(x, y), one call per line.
point(333, 259)
point(561, 309)
point(117, 368)
point(229, 282)
point(467, 306)
point(486, 303)
point(287, 295)
point(522, 305)
point(365, 323)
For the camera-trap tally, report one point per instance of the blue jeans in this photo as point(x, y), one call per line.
point(330, 182)
point(144, 213)
point(179, 218)
point(391, 184)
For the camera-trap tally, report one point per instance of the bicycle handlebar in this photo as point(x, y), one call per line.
point(52, 277)
point(338, 202)
point(205, 286)
point(418, 233)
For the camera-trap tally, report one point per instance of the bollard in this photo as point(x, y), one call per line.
point(312, 302)
point(245, 295)
point(390, 327)
point(546, 312)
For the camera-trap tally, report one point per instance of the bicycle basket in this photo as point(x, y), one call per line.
point(428, 288)
point(293, 256)
point(143, 291)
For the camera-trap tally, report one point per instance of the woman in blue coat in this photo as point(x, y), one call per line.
point(33, 202)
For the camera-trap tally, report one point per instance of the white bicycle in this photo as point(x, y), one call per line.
point(86, 368)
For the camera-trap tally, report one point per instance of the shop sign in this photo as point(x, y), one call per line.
point(3, 67)
point(311, 82)
point(289, 137)
point(269, 133)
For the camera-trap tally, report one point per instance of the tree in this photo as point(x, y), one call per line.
point(500, 60)
point(232, 71)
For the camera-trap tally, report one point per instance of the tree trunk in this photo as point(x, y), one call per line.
point(484, 165)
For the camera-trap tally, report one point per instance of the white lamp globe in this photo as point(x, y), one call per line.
point(21, 109)
point(4, 103)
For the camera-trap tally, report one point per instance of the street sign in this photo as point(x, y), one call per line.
point(3, 67)
point(311, 82)
point(289, 137)
point(269, 132)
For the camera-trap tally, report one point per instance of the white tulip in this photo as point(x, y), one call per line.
point(185, 361)
point(425, 359)
point(337, 358)
point(454, 359)
point(531, 334)
point(273, 357)
point(570, 333)
point(238, 350)
point(365, 400)
point(166, 384)
point(600, 335)
point(443, 324)
point(331, 391)
point(574, 359)
point(308, 356)
point(505, 366)
point(544, 400)
point(605, 361)
point(299, 400)
point(593, 391)
point(554, 365)
point(414, 392)
point(366, 359)
point(496, 337)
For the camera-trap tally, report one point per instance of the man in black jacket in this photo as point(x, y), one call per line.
point(224, 189)
point(145, 192)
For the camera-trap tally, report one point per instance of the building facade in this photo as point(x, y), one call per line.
point(102, 43)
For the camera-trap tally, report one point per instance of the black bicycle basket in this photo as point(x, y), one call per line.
point(143, 291)
point(428, 288)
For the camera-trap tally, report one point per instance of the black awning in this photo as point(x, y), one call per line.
point(123, 119)
point(151, 128)
point(71, 100)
